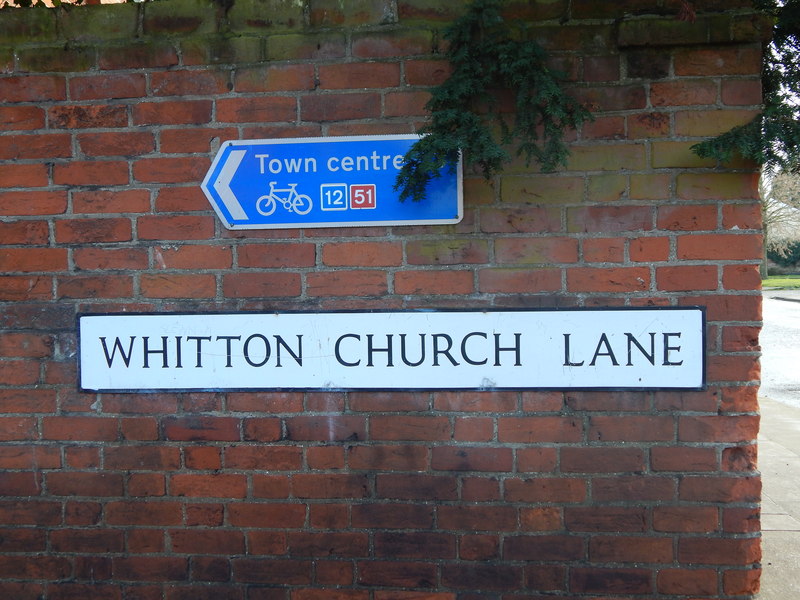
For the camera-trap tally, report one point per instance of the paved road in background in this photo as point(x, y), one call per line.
point(780, 348)
point(779, 445)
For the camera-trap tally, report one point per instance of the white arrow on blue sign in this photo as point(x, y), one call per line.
point(324, 182)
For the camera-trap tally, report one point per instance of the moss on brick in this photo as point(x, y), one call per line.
point(35, 23)
point(335, 13)
point(267, 15)
point(309, 46)
point(99, 22)
point(173, 17)
point(45, 59)
point(222, 50)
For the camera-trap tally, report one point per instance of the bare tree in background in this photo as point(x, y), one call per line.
point(780, 210)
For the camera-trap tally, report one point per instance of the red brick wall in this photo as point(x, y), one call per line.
point(109, 118)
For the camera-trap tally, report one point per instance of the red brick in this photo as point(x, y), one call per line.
point(101, 541)
point(262, 430)
point(187, 112)
point(21, 118)
point(181, 199)
point(719, 247)
point(683, 458)
point(742, 582)
point(610, 581)
point(273, 515)
point(720, 489)
point(326, 429)
point(482, 576)
point(409, 428)
point(339, 544)
point(89, 484)
point(530, 430)
point(735, 60)
point(189, 83)
point(91, 173)
point(601, 459)
point(107, 86)
point(221, 541)
point(546, 489)
point(275, 78)
point(128, 143)
point(717, 186)
point(362, 254)
point(216, 485)
point(402, 43)
point(170, 170)
point(627, 549)
point(742, 216)
point(388, 458)
point(519, 281)
point(110, 258)
point(397, 574)
point(426, 72)
point(683, 92)
point(21, 147)
point(22, 176)
point(530, 219)
point(416, 544)
point(264, 109)
point(417, 487)
point(731, 429)
point(741, 277)
point(719, 551)
point(35, 567)
point(178, 286)
point(91, 231)
point(609, 219)
point(150, 568)
point(392, 516)
point(536, 250)
point(106, 286)
point(275, 571)
point(687, 218)
point(605, 519)
point(630, 279)
point(631, 429)
point(88, 116)
point(359, 75)
point(175, 227)
point(347, 283)
point(686, 278)
point(28, 233)
point(277, 255)
point(434, 282)
point(111, 201)
point(388, 401)
point(451, 458)
point(29, 260)
point(201, 428)
point(339, 107)
point(184, 140)
point(741, 92)
point(80, 428)
point(261, 285)
point(278, 458)
point(193, 257)
point(32, 203)
point(635, 488)
point(477, 518)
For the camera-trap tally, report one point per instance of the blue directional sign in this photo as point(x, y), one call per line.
point(324, 182)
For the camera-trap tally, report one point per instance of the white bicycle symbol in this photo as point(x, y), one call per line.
point(293, 202)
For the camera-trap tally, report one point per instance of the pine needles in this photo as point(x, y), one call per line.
point(489, 58)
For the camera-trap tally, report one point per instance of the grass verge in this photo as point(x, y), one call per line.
point(782, 282)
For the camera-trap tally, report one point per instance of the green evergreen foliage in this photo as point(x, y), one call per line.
point(785, 257)
point(773, 138)
point(489, 57)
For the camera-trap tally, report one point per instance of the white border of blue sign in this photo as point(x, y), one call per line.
point(308, 171)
